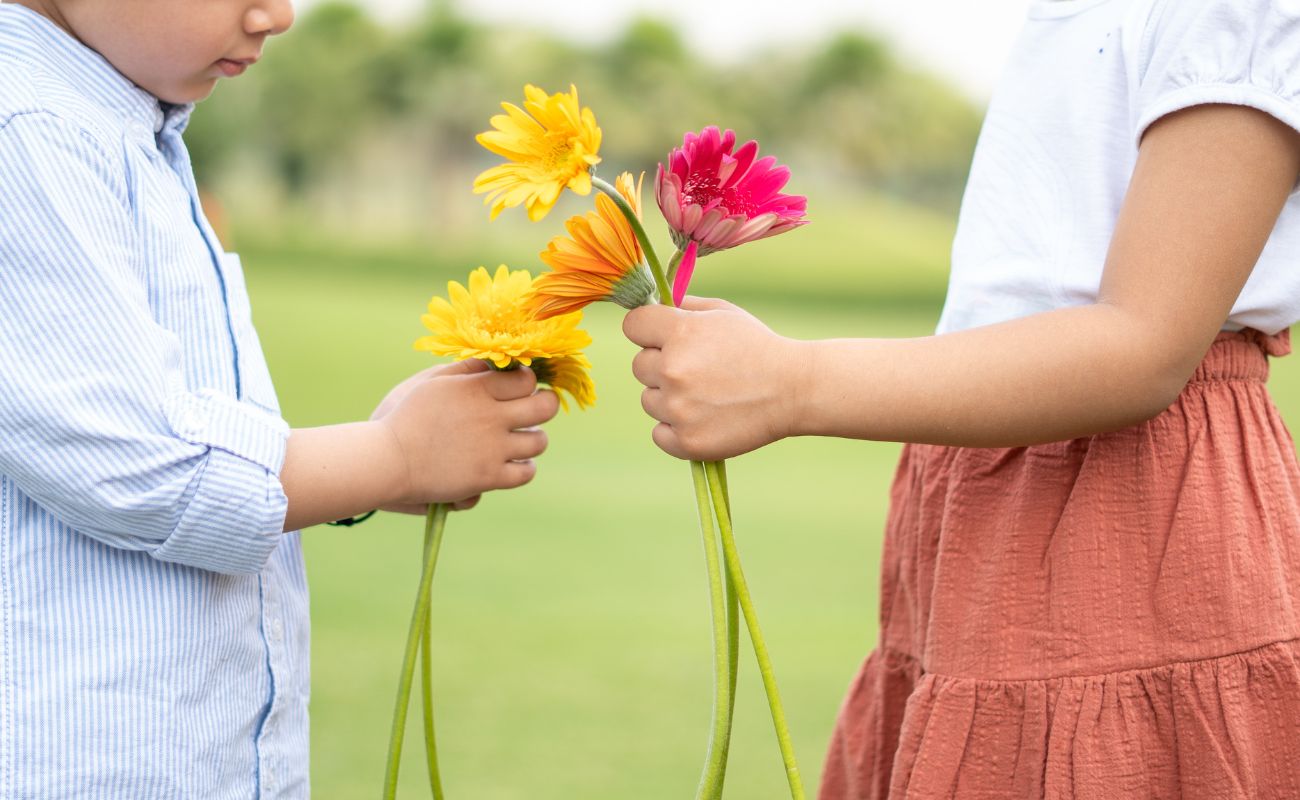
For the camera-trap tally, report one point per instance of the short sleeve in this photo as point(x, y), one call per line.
point(1233, 52)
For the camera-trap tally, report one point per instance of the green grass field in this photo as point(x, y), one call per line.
point(573, 652)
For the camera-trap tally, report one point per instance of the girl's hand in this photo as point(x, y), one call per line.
point(462, 429)
point(718, 380)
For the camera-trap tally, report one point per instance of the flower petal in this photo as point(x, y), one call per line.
point(685, 269)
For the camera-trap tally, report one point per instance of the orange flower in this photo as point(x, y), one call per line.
point(600, 259)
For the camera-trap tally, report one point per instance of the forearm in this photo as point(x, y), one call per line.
point(339, 471)
point(1052, 376)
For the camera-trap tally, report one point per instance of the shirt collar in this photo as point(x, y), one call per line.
point(35, 38)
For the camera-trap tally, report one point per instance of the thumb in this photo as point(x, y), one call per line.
point(467, 367)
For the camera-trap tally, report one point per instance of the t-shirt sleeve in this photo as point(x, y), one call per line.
point(97, 424)
point(1234, 52)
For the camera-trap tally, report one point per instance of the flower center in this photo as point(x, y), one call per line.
point(701, 189)
point(559, 154)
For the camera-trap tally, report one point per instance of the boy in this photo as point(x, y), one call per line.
point(153, 606)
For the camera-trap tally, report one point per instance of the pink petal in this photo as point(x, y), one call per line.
point(720, 236)
point(684, 271)
point(744, 158)
point(763, 181)
point(690, 218)
point(700, 230)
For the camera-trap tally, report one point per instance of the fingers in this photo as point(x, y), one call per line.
point(525, 445)
point(655, 402)
point(532, 410)
point(646, 367)
point(511, 384)
point(665, 438)
point(516, 474)
point(466, 504)
point(650, 326)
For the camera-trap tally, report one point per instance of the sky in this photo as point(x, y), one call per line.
point(963, 41)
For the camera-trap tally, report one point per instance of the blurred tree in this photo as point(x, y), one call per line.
point(345, 106)
point(853, 60)
point(321, 88)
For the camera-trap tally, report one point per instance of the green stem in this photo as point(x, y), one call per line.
point(717, 483)
point(715, 763)
point(673, 263)
point(665, 294)
point(733, 613)
point(426, 695)
point(433, 527)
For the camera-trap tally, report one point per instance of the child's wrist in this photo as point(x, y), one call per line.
point(392, 478)
point(798, 372)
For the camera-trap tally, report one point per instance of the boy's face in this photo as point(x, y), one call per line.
point(176, 50)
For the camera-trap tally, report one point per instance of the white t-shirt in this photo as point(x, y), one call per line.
point(1084, 81)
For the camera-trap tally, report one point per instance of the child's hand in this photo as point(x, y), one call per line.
point(462, 429)
point(719, 381)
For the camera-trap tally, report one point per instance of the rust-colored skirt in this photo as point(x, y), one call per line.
point(1113, 617)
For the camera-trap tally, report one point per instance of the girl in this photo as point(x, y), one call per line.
point(1091, 574)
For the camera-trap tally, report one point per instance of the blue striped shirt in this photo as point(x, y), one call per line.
point(153, 617)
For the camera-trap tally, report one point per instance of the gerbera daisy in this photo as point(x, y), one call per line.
point(491, 320)
point(549, 144)
point(600, 259)
point(721, 199)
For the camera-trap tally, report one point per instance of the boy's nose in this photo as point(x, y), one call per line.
point(268, 17)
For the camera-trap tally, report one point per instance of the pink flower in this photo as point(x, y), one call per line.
point(684, 272)
point(720, 199)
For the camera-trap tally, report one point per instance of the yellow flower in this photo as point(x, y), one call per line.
point(491, 320)
point(553, 148)
point(600, 259)
point(567, 374)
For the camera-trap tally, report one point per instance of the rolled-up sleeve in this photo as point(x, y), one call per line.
point(96, 422)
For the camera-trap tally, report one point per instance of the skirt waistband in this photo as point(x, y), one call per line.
point(1241, 355)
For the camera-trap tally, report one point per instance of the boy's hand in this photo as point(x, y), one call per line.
point(718, 380)
point(462, 429)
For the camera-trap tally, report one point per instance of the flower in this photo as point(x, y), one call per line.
point(567, 374)
point(600, 259)
point(491, 320)
point(719, 199)
point(553, 148)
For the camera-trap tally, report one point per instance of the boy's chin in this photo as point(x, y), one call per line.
point(191, 92)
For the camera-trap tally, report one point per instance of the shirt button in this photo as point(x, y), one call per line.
point(277, 630)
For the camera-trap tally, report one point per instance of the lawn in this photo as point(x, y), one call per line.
point(571, 616)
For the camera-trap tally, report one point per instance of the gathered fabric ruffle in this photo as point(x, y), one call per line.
point(1111, 617)
point(1219, 729)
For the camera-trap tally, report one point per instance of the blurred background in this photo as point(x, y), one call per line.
point(573, 652)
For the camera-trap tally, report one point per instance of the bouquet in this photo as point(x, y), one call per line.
point(713, 196)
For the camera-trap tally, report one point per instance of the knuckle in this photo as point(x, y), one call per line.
point(677, 408)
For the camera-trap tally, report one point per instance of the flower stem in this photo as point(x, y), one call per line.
point(715, 763)
point(665, 293)
point(673, 263)
point(426, 695)
point(433, 527)
point(733, 611)
point(717, 483)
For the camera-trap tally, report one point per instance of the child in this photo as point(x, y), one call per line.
point(1091, 572)
point(153, 609)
